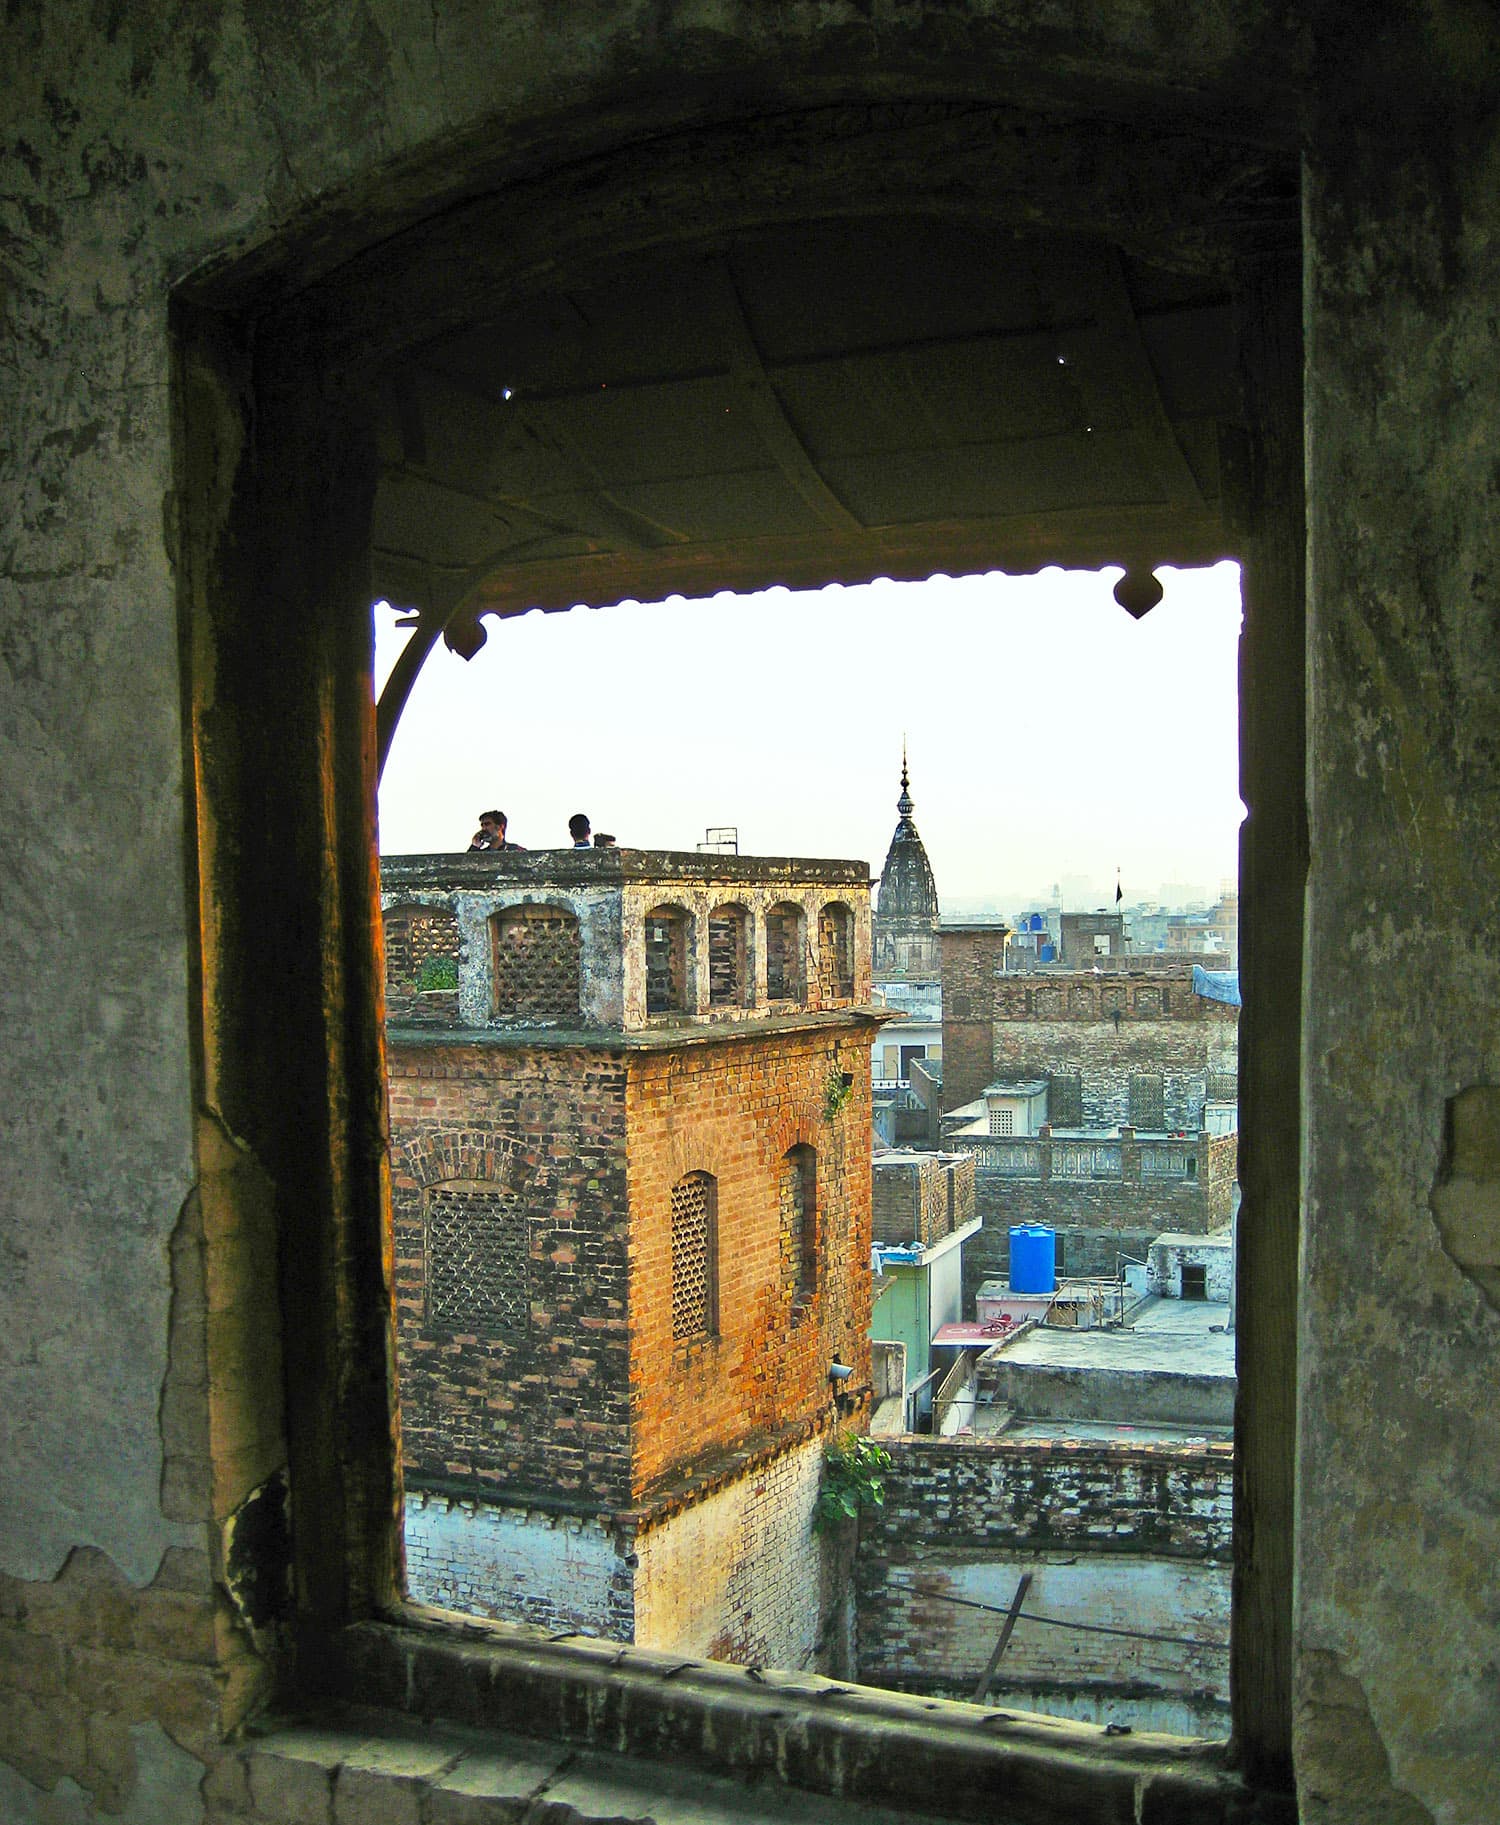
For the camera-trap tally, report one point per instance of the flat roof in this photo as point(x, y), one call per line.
point(1172, 1336)
point(476, 870)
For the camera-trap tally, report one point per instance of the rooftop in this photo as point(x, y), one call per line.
point(1165, 1336)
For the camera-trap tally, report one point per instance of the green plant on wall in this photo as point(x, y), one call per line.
point(437, 973)
point(838, 1087)
point(853, 1479)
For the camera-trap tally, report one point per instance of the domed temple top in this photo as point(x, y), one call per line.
point(904, 934)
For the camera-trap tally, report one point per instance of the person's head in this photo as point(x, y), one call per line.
point(493, 822)
point(578, 827)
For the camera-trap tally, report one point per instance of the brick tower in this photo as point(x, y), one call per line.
point(631, 1205)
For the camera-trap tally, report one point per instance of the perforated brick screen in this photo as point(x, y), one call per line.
point(414, 937)
point(477, 1262)
point(537, 963)
point(692, 1255)
point(1147, 1100)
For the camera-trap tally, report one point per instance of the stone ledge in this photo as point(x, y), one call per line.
point(655, 1038)
point(784, 1736)
point(360, 1767)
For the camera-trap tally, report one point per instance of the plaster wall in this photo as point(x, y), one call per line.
point(1114, 1537)
point(738, 1576)
point(1165, 1262)
point(150, 145)
point(1162, 1684)
point(520, 1564)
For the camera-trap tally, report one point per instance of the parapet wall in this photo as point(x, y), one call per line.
point(624, 938)
point(1130, 1537)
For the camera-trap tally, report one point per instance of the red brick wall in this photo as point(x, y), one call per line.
point(548, 1411)
point(733, 1109)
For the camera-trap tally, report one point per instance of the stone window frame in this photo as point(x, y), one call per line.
point(274, 476)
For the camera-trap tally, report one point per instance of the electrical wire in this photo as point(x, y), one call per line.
point(1057, 1622)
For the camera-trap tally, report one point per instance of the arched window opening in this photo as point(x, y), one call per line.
point(835, 952)
point(421, 951)
point(784, 973)
point(728, 957)
point(667, 960)
point(695, 1293)
point(536, 955)
point(799, 1222)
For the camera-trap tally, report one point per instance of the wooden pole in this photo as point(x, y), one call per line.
point(1006, 1628)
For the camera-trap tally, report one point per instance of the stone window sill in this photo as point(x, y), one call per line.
point(602, 1725)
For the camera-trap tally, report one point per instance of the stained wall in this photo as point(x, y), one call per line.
point(150, 147)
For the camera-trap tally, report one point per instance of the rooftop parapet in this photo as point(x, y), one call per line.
point(621, 940)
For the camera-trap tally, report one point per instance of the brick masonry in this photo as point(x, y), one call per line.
point(1103, 1028)
point(735, 1109)
point(544, 1407)
point(1098, 1219)
point(739, 1576)
point(1134, 1536)
point(559, 1571)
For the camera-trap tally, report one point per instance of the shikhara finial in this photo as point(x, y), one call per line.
point(903, 804)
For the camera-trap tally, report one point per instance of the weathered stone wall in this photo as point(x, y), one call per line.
point(1134, 1537)
point(733, 1108)
point(1399, 1710)
point(150, 146)
point(536, 1399)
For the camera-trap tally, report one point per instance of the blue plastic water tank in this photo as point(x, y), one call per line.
point(1049, 953)
point(1033, 1259)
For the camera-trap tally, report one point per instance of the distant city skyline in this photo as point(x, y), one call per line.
point(1051, 738)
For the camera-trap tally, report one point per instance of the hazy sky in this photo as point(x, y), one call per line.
point(1049, 735)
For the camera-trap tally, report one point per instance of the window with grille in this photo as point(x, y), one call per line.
point(799, 1222)
point(421, 949)
point(477, 1261)
point(727, 972)
point(1002, 1121)
point(835, 952)
point(694, 1248)
point(537, 964)
point(1065, 1099)
point(666, 960)
point(784, 953)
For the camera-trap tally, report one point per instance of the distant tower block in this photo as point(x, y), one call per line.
point(904, 929)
